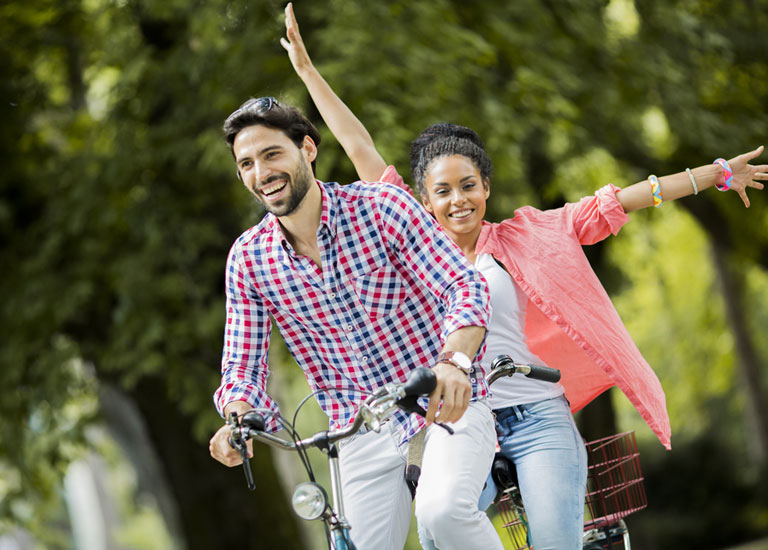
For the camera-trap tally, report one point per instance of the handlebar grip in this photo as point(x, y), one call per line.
point(547, 374)
point(420, 382)
point(253, 421)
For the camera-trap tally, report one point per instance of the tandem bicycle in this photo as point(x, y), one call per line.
point(310, 500)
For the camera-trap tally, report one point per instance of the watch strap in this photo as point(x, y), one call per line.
point(456, 359)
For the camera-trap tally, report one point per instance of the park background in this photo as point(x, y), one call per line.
point(118, 204)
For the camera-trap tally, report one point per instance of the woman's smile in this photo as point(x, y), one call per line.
point(456, 195)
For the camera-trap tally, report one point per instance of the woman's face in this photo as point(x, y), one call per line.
point(456, 195)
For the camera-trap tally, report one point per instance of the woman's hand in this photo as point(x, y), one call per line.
point(293, 43)
point(744, 174)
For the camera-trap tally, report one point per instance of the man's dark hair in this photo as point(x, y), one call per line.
point(266, 111)
point(442, 140)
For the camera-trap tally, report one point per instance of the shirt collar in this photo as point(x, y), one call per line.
point(328, 217)
point(330, 211)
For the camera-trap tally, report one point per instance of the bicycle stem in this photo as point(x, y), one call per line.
point(338, 501)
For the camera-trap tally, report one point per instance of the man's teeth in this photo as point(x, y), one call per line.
point(273, 188)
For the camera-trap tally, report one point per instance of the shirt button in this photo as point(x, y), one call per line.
point(350, 328)
point(472, 380)
point(365, 358)
point(332, 295)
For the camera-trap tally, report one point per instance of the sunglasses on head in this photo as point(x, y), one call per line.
point(258, 104)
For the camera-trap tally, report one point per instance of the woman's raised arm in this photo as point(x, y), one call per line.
point(667, 188)
point(349, 131)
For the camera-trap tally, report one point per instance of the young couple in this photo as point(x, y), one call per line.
point(364, 286)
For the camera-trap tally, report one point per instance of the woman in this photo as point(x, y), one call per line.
point(548, 305)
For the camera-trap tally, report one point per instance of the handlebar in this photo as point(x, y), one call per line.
point(504, 365)
point(373, 412)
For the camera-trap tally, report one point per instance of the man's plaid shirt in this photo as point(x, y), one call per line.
point(391, 288)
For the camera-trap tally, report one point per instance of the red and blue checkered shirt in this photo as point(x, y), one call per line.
point(391, 288)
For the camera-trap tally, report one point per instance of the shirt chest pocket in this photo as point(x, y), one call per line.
point(380, 291)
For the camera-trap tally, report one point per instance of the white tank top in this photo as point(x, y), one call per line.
point(505, 336)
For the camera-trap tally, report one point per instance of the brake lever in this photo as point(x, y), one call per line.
point(236, 441)
point(411, 405)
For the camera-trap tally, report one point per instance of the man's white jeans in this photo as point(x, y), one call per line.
point(377, 500)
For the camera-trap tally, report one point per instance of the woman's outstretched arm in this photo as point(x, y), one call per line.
point(682, 184)
point(349, 131)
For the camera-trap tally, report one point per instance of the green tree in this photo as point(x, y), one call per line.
point(118, 219)
point(118, 203)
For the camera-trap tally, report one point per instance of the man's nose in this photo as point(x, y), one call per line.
point(260, 172)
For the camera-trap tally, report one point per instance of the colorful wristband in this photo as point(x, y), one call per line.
point(727, 180)
point(655, 191)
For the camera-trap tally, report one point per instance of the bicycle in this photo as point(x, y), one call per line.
point(310, 500)
point(614, 481)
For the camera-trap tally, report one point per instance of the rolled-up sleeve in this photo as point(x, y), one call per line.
point(244, 364)
point(435, 260)
point(597, 216)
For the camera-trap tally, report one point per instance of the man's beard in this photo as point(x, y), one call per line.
point(300, 181)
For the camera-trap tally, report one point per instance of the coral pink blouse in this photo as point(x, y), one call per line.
point(571, 323)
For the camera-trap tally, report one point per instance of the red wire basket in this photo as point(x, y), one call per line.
point(514, 520)
point(615, 481)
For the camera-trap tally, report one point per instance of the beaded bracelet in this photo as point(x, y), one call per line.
point(725, 184)
point(693, 181)
point(655, 191)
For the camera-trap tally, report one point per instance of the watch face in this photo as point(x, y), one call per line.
point(458, 359)
point(462, 360)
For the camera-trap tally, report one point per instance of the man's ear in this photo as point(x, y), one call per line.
point(238, 175)
point(309, 149)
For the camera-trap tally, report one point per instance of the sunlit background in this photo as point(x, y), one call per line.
point(118, 204)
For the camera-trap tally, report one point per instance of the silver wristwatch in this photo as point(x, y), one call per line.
point(457, 359)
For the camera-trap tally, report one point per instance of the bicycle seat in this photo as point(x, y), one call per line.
point(503, 472)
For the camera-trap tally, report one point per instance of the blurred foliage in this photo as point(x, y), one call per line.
point(118, 200)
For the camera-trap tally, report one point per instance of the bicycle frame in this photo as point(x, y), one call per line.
point(340, 529)
point(372, 413)
point(333, 515)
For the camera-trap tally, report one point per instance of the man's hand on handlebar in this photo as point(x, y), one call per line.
point(454, 389)
point(219, 446)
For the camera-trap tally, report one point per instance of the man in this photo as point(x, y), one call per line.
point(363, 287)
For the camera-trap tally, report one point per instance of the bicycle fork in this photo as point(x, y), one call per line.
point(338, 521)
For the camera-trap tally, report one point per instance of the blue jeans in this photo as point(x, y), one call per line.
point(542, 440)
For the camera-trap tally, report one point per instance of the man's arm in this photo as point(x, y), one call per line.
point(440, 266)
point(244, 366)
point(349, 131)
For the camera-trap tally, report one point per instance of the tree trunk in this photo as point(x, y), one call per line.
point(214, 507)
point(597, 419)
point(732, 284)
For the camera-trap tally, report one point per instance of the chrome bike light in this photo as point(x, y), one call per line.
point(309, 500)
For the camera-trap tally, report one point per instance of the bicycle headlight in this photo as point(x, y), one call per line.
point(309, 500)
